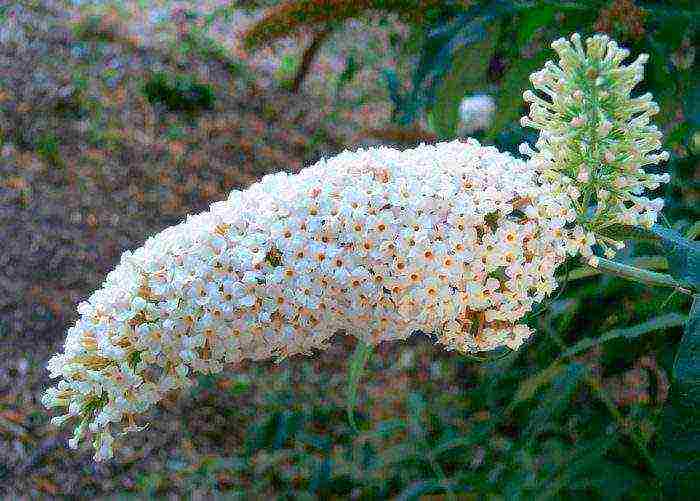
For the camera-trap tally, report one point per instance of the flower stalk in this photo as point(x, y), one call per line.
point(641, 275)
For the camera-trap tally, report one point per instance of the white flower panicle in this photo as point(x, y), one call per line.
point(595, 139)
point(453, 239)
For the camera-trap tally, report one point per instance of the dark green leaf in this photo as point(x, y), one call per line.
point(477, 435)
point(686, 369)
point(529, 387)
point(679, 449)
point(420, 488)
point(683, 255)
point(691, 105)
point(580, 461)
point(613, 480)
point(532, 20)
point(659, 323)
point(625, 232)
point(555, 400)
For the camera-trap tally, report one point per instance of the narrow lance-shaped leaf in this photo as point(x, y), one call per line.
point(679, 437)
point(357, 365)
point(663, 322)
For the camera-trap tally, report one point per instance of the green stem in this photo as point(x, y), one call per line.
point(644, 262)
point(642, 276)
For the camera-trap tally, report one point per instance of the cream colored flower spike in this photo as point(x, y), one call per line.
point(595, 139)
point(453, 239)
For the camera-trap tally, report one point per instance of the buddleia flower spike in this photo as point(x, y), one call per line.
point(595, 138)
point(455, 239)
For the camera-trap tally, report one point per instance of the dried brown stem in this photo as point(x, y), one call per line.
point(308, 58)
point(288, 17)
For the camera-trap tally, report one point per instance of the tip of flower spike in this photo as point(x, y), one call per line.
point(620, 127)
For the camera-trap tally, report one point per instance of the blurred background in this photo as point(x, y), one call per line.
point(119, 117)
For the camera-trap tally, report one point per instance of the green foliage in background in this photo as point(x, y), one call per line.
point(179, 92)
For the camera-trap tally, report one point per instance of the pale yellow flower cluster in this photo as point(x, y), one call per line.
point(454, 239)
point(595, 140)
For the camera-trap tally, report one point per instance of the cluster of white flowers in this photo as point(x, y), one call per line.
point(453, 239)
point(594, 138)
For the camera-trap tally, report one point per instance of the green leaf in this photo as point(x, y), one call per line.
point(655, 324)
point(416, 411)
point(608, 478)
point(555, 400)
point(679, 439)
point(691, 106)
point(693, 232)
point(387, 428)
point(580, 461)
point(657, 263)
point(529, 387)
point(686, 369)
point(509, 101)
point(420, 488)
point(683, 254)
point(626, 232)
point(357, 365)
point(401, 453)
point(477, 435)
point(532, 20)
